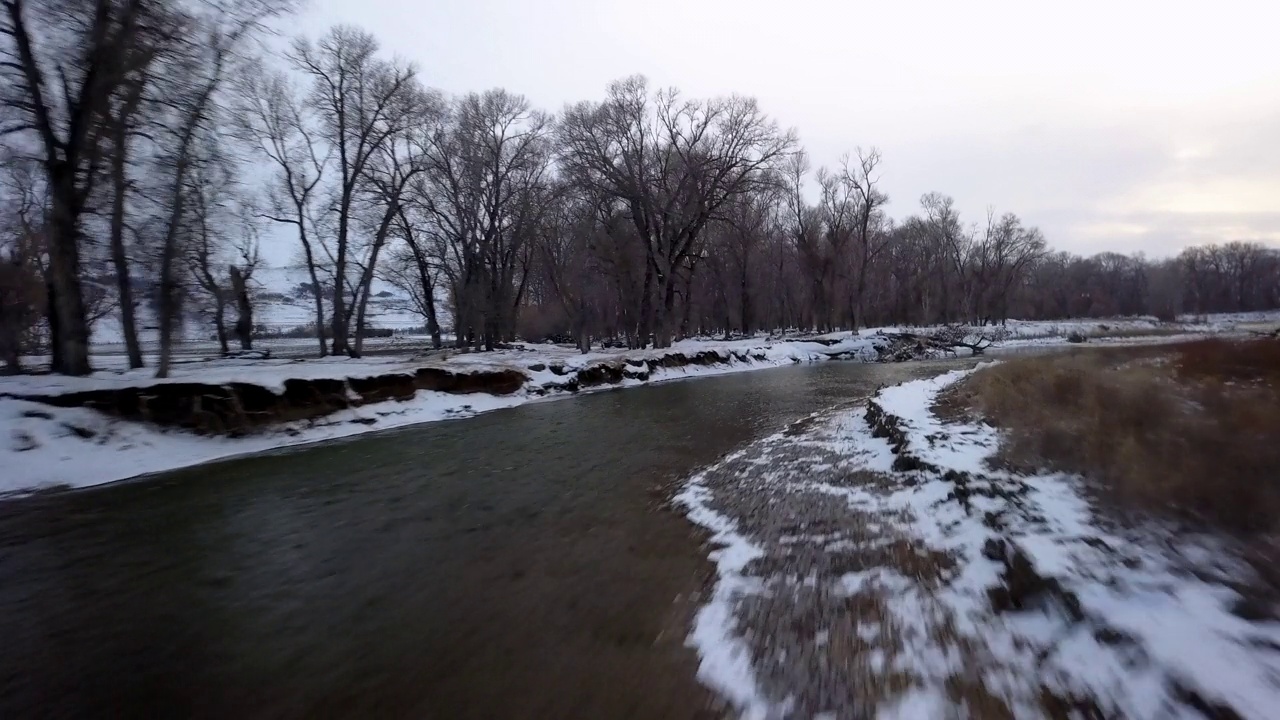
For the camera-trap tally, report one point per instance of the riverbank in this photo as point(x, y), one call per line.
point(61, 432)
point(1003, 590)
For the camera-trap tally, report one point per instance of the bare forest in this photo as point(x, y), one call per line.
point(150, 147)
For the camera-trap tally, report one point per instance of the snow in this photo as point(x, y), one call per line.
point(1182, 623)
point(1155, 618)
point(725, 660)
point(1120, 331)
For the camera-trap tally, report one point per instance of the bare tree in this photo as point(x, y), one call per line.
point(673, 163)
point(413, 266)
point(221, 242)
point(125, 123)
point(862, 178)
point(63, 63)
point(272, 118)
point(210, 183)
point(486, 174)
point(193, 84)
point(805, 231)
point(952, 242)
point(1000, 260)
point(362, 101)
point(566, 243)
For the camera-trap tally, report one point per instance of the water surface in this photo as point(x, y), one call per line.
point(522, 563)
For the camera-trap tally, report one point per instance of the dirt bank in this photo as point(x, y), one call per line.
point(236, 409)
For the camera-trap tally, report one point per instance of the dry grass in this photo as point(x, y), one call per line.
point(1189, 430)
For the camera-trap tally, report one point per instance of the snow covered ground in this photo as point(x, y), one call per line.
point(872, 564)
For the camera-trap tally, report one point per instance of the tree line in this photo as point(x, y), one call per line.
point(150, 145)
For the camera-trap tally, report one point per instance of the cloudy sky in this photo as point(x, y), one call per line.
point(1128, 125)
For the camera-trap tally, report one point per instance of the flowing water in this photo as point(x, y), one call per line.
point(522, 563)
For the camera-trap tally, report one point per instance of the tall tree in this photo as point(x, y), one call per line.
point(362, 101)
point(673, 163)
point(485, 180)
point(64, 61)
point(125, 124)
point(862, 177)
point(272, 118)
point(194, 83)
point(389, 176)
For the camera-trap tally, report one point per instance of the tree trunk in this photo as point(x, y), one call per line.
point(428, 297)
point(688, 306)
point(460, 316)
point(365, 288)
point(13, 311)
point(51, 313)
point(244, 309)
point(170, 303)
point(339, 320)
point(424, 277)
point(168, 307)
point(124, 286)
point(316, 292)
point(67, 320)
point(665, 309)
point(433, 322)
point(220, 322)
point(210, 283)
point(581, 320)
point(361, 305)
point(492, 313)
point(645, 329)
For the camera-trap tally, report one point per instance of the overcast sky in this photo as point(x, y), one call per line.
point(1126, 125)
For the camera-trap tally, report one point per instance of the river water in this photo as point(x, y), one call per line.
point(522, 563)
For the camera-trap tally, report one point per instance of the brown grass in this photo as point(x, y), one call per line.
point(1189, 430)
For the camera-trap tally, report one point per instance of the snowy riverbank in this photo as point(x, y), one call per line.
point(42, 445)
point(47, 446)
point(976, 588)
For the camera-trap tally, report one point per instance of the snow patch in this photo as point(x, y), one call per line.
point(725, 662)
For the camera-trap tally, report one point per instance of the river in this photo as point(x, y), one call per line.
point(521, 563)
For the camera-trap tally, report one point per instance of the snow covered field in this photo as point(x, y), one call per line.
point(977, 590)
